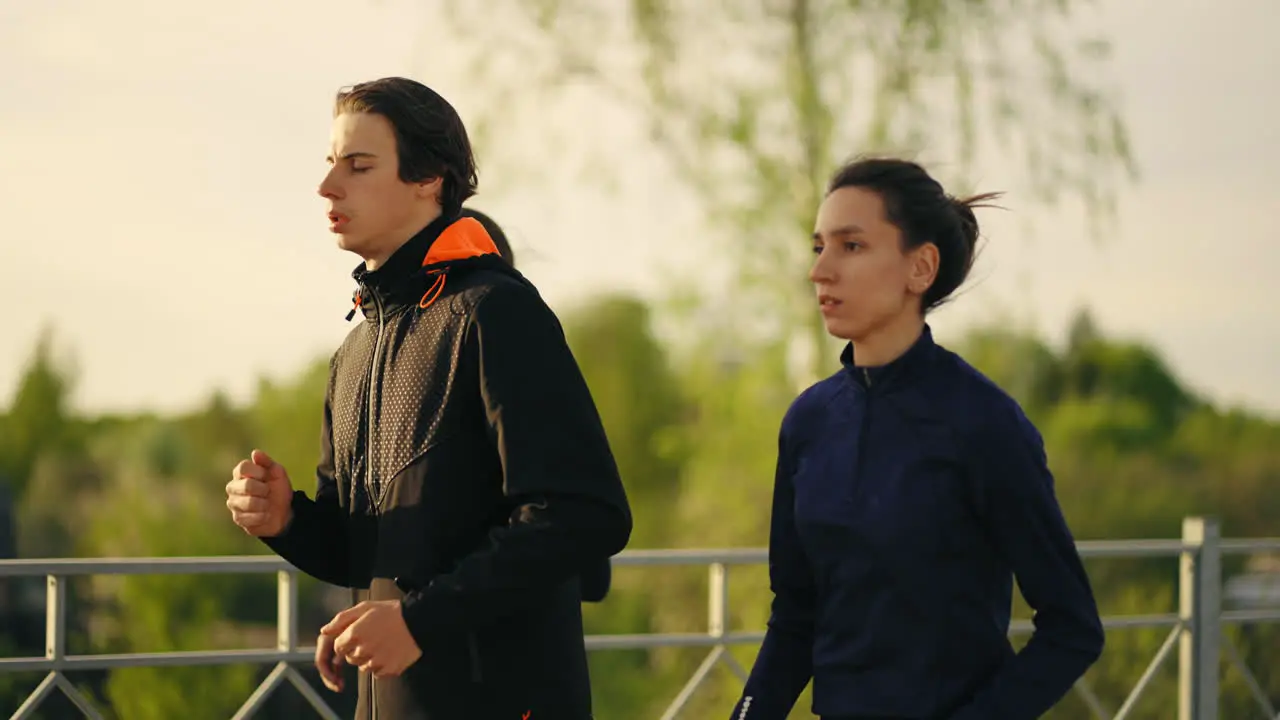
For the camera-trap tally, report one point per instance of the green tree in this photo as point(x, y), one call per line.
point(640, 402)
point(642, 406)
point(695, 430)
point(38, 417)
point(755, 103)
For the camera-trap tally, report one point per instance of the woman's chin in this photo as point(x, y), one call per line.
point(840, 329)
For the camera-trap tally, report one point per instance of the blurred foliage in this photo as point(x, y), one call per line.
point(753, 103)
point(1133, 449)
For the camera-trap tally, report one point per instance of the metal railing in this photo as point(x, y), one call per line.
point(1195, 630)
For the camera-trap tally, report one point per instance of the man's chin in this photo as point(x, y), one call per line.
point(350, 243)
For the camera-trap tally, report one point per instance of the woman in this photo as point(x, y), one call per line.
point(910, 493)
point(596, 578)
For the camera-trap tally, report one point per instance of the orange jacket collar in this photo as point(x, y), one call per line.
point(464, 238)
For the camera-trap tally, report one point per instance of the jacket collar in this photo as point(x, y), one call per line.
point(905, 366)
point(444, 243)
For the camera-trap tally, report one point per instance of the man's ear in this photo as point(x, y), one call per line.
point(429, 189)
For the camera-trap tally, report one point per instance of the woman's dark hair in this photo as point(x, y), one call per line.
point(431, 141)
point(922, 210)
point(495, 232)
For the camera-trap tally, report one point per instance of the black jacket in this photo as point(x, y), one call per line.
point(907, 500)
point(465, 472)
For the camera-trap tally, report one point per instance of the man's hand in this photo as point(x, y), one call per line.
point(329, 663)
point(260, 495)
point(373, 637)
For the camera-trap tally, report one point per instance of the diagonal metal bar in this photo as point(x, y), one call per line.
point(310, 695)
point(1149, 674)
point(1090, 698)
point(686, 693)
point(729, 660)
point(1260, 696)
point(75, 696)
point(27, 709)
point(259, 696)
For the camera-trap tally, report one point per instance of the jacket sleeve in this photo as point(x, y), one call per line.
point(570, 510)
point(315, 540)
point(1028, 530)
point(596, 579)
point(784, 664)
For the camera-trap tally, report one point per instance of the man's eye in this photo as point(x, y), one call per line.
point(817, 249)
point(361, 169)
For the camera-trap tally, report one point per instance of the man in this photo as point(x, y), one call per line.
point(465, 480)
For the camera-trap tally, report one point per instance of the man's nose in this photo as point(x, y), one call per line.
point(329, 187)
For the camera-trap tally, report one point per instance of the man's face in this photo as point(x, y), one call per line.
point(371, 210)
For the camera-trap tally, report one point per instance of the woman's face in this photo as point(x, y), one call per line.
point(863, 279)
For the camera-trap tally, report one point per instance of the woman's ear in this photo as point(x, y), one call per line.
point(924, 268)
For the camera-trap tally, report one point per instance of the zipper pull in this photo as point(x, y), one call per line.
point(406, 585)
point(355, 298)
point(866, 373)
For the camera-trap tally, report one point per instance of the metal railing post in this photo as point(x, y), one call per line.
point(718, 599)
point(286, 611)
point(1200, 608)
point(55, 628)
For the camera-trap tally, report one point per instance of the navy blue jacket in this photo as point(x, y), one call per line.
point(907, 499)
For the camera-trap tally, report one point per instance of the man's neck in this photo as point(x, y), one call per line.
point(397, 239)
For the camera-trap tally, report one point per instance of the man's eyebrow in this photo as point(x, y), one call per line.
point(842, 230)
point(352, 155)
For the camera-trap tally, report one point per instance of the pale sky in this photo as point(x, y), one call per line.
point(158, 165)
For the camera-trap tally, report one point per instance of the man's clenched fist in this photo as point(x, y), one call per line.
point(260, 496)
point(374, 637)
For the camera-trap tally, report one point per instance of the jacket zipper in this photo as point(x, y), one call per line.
point(374, 495)
point(862, 436)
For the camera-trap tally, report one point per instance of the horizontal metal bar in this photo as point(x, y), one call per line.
point(729, 556)
point(1018, 627)
point(307, 655)
point(160, 659)
point(1114, 622)
point(144, 566)
point(593, 642)
point(1246, 617)
point(1249, 545)
point(746, 556)
point(1131, 548)
point(638, 642)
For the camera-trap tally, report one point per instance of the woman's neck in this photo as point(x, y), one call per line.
point(888, 343)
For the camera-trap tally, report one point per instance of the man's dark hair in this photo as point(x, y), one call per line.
point(495, 232)
point(431, 141)
point(923, 212)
